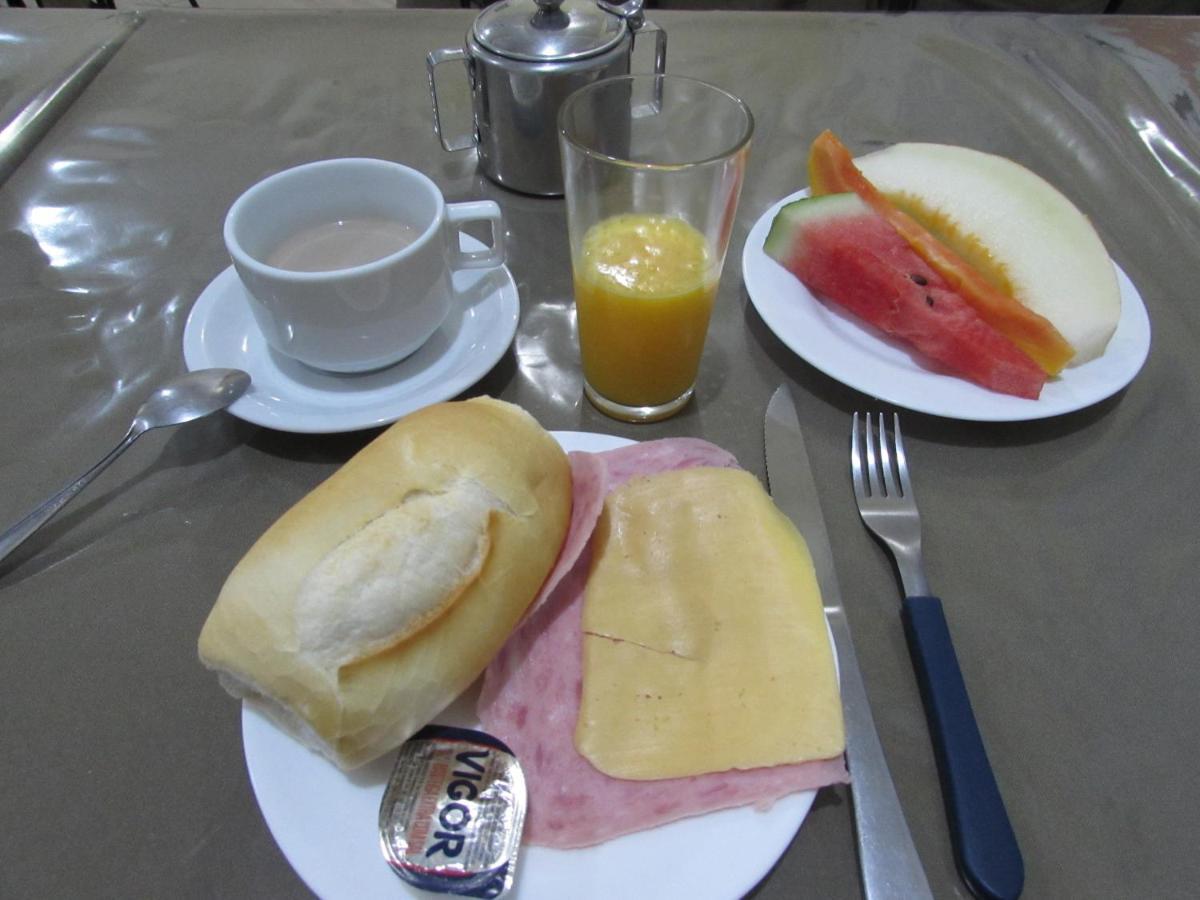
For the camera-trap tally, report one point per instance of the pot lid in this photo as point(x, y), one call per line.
point(546, 30)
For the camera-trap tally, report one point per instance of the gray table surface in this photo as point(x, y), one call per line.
point(1064, 549)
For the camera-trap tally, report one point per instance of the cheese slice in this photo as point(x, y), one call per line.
point(704, 640)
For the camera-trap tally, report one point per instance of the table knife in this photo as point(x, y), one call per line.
point(887, 857)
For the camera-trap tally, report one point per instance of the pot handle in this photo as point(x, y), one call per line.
point(631, 11)
point(432, 61)
point(660, 43)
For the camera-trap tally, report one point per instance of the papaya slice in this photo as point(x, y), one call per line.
point(831, 170)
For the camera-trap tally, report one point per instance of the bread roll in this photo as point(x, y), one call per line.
point(380, 596)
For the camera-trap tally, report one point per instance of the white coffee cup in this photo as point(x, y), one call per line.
point(366, 316)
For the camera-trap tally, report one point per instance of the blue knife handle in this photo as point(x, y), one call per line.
point(985, 847)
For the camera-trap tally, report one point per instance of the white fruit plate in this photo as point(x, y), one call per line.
point(862, 357)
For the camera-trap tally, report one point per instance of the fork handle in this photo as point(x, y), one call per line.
point(985, 846)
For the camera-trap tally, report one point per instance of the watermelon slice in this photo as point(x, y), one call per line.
point(844, 252)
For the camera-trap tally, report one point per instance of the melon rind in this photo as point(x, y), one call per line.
point(1052, 256)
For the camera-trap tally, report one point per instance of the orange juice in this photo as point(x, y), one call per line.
point(644, 289)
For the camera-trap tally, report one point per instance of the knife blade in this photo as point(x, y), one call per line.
point(887, 857)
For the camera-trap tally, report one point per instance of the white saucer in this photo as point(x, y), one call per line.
point(289, 396)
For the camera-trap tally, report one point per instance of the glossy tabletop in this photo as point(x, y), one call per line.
point(1064, 549)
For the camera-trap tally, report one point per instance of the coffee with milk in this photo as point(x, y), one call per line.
point(341, 244)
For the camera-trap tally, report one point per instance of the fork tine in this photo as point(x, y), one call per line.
point(885, 460)
point(901, 461)
point(856, 468)
point(872, 467)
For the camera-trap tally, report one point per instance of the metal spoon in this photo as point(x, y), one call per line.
point(191, 396)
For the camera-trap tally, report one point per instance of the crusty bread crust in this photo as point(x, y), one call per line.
point(355, 711)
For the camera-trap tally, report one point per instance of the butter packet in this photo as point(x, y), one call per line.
point(452, 813)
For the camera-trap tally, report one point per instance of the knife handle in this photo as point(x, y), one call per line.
point(985, 846)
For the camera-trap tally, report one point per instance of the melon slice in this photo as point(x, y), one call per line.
point(1044, 251)
point(847, 254)
point(832, 171)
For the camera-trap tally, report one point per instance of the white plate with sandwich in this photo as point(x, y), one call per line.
point(325, 819)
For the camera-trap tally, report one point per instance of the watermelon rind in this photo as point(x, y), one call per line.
point(781, 238)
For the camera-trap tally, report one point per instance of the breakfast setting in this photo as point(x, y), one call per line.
point(581, 449)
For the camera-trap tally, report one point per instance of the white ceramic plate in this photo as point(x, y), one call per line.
point(862, 357)
point(326, 823)
point(289, 396)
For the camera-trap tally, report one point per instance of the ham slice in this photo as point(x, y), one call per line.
point(588, 479)
point(530, 695)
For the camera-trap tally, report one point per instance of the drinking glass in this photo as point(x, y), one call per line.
point(652, 169)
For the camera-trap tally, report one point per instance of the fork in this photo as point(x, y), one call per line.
point(985, 847)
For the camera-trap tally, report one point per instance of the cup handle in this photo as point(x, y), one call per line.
point(459, 214)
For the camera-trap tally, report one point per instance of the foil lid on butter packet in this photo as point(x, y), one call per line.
point(451, 817)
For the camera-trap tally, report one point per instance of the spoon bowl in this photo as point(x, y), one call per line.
point(191, 396)
point(183, 399)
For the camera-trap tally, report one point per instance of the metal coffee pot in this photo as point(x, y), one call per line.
point(523, 59)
